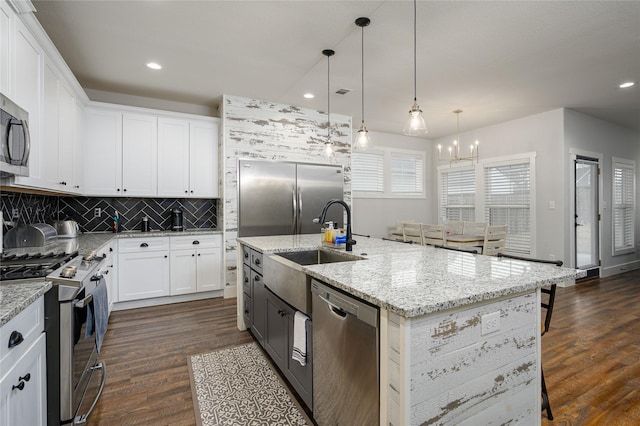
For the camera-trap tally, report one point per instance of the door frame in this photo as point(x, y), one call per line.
point(574, 154)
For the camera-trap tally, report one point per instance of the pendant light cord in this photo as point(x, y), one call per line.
point(362, 80)
point(415, 79)
point(328, 101)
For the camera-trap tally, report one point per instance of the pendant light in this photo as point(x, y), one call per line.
point(363, 140)
point(415, 126)
point(328, 145)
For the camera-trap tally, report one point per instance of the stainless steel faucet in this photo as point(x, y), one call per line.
point(350, 241)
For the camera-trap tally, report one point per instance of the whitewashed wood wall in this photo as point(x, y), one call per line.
point(255, 129)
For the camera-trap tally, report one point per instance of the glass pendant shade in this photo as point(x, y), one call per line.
point(363, 141)
point(328, 149)
point(415, 125)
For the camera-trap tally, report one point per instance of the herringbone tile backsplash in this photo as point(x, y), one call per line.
point(30, 208)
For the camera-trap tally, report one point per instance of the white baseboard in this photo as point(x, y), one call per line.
point(619, 269)
point(155, 301)
point(231, 292)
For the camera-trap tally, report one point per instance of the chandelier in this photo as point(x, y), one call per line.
point(454, 150)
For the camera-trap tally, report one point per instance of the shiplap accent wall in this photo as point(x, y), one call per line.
point(256, 129)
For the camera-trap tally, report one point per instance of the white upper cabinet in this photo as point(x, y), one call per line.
point(187, 158)
point(102, 152)
point(139, 155)
point(7, 18)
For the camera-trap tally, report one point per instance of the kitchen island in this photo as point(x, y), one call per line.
point(459, 333)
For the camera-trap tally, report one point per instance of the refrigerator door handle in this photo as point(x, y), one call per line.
point(294, 222)
point(299, 212)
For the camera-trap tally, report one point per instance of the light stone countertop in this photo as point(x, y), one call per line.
point(412, 280)
point(14, 297)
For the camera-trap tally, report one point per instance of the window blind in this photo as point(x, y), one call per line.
point(508, 202)
point(406, 173)
point(457, 195)
point(623, 207)
point(367, 172)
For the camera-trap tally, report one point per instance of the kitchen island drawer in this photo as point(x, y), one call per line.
point(139, 245)
point(186, 242)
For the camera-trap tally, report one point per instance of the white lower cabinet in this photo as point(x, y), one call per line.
point(196, 264)
point(109, 271)
point(143, 268)
point(24, 388)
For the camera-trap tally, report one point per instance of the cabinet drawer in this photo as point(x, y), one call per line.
point(195, 241)
point(246, 311)
point(246, 255)
point(30, 324)
point(140, 245)
point(246, 277)
point(256, 261)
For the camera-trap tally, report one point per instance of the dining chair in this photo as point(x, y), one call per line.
point(412, 232)
point(495, 240)
point(453, 227)
point(432, 234)
point(547, 306)
point(474, 228)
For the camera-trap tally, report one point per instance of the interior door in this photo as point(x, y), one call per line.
point(587, 217)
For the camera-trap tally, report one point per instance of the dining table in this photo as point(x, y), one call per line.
point(464, 240)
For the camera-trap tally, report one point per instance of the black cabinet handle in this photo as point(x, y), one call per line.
point(257, 261)
point(26, 377)
point(246, 311)
point(246, 279)
point(165, 256)
point(106, 272)
point(111, 249)
point(15, 339)
point(118, 189)
point(125, 190)
point(76, 186)
point(19, 386)
point(198, 254)
point(193, 255)
point(195, 242)
point(144, 245)
point(192, 191)
point(246, 255)
point(185, 192)
point(257, 278)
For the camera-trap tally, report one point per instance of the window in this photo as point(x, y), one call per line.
point(507, 201)
point(367, 172)
point(388, 173)
point(457, 194)
point(623, 205)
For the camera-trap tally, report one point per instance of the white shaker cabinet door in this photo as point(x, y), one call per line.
point(102, 152)
point(173, 157)
point(139, 155)
point(209, 269)
point(66, 106)
point(51, 129)
point(204, 159)
point(183, 272)
point(143, 275)
point(23, 388)
point(7, 17)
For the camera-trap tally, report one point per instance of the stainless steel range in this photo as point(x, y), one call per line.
point(72, 358)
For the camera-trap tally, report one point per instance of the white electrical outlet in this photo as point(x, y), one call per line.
point(490, 322)
point(15, 214)
point(97, 212)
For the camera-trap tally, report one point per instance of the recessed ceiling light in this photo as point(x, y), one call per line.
point(154, 66)
point(309, 95)
point(627, 84)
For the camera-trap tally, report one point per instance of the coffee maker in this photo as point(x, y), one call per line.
point(176, 220)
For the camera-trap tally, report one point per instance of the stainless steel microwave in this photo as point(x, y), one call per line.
point(14, 155)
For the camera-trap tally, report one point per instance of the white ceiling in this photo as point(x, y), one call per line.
point(496, 60)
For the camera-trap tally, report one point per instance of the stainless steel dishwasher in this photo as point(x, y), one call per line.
point(345, 359)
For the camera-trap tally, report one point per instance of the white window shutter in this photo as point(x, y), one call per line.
point(367, 172)
point(407, 173)
point(457, 195)
point(623, 206)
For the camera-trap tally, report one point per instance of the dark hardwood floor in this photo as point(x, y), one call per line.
point(591, 356)
point(146, 354)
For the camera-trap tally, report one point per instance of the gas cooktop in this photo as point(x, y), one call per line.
point(31, 266)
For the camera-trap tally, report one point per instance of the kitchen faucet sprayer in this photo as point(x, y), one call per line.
point(350, 241)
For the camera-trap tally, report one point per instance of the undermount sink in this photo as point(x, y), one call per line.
point(283, 274)
point(317, 257)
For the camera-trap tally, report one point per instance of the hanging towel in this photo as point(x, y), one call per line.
point(300, 338)
point(98, 313)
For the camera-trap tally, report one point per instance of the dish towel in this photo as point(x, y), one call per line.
point(98, 313)
point(300, 338)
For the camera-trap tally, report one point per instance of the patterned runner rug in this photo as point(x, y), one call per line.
point(237, 386)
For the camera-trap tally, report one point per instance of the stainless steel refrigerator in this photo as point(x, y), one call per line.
point(283, 198)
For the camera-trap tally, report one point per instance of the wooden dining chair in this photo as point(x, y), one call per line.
point(547, 306)
point(432, 235)
point(412, 232)
point(474, 228)
point(453, 227)
point(495, 240)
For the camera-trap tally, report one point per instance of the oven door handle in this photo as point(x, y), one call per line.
point(81, 304)
point(82, 419)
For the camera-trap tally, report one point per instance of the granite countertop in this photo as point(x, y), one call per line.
point(14, 298)
point(413, 280)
